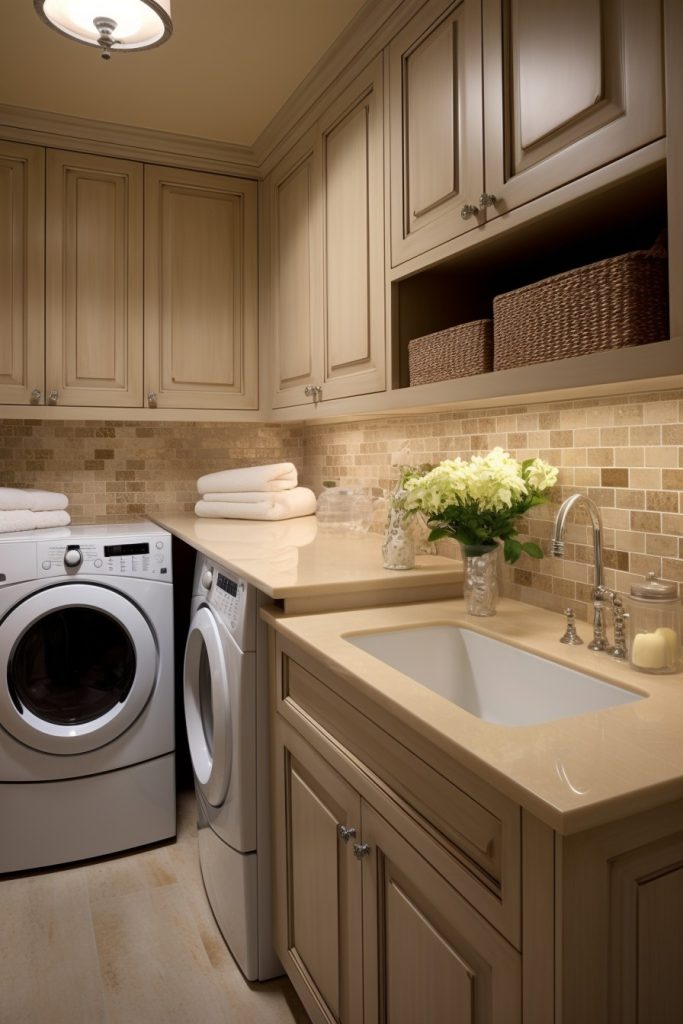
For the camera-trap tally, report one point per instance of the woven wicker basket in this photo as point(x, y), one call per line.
point(615, 303)
point(459, 351)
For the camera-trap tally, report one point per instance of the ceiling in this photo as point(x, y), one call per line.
point(227, 69)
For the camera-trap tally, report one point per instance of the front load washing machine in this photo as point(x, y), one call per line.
point(87, 745)
point(226, 713)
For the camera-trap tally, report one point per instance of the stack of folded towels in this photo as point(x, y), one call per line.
point(255, 492)
point(32, 510)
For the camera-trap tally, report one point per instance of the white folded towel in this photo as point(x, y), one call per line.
point(300, 501)
point(13, 499)
point(26, 519)
point(245, 497)
point(280, 476)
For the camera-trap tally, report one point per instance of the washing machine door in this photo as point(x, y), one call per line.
point(208, 712)
point(79, 663)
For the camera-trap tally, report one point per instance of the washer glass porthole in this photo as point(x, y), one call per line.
point(71, 666)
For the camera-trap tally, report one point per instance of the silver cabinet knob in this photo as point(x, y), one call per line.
point(52, 397)
point(36, 396)
point(468, 211)
point(487, 199)
point(314, 391)
point(346, 833)
point(152, 399)
point(361, 850)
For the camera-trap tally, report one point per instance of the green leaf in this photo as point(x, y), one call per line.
point(512, 549)
point(532, 549)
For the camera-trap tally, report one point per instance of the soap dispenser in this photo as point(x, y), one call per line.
point(655, 626)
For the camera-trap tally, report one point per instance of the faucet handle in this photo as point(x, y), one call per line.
point(620, 649)
point(570, 634)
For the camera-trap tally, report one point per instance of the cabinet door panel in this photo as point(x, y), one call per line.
point(567, 89)
point(22, 254)
point(428, 955)
point(295, 262)
point(200, 289)
point(353, 224)
point(436, 133)
point(318, 880)
point(93, 330)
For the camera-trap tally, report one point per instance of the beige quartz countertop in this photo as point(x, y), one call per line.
point(573, 773)
point(312, 569)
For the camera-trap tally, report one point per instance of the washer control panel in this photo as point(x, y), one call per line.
point(148, 557)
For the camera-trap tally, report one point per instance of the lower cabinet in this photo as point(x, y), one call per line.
point(366, 926)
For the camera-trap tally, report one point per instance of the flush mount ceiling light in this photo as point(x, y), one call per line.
point(112, 25)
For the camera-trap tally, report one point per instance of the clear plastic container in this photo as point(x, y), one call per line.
point(654, 626)
point(335, 509)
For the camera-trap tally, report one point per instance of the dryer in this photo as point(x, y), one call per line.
point(226, 714)
point(87, 745)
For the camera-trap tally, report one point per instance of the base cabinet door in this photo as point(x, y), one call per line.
point(201, 331)
point(318, 881)
point(428, 956)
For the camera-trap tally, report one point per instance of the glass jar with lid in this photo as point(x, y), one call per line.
point(654, 626)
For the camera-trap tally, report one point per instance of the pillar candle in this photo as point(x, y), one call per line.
point(650, 651)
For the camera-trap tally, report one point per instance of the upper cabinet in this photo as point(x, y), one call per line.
point(93, 281)
point(22, 255)
point(436, 164)
point(566, 89)
point(201, 332)
point(77, 326)
point(326, 252)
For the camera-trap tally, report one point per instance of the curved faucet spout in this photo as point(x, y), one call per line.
point(561, 525)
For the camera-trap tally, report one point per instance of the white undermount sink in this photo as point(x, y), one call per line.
point(489, 678)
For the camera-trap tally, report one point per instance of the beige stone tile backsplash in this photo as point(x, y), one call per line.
point(115, 471)
point(626, 452)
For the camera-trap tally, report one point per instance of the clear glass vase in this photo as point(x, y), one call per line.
point(398, 547)
point(481, 580)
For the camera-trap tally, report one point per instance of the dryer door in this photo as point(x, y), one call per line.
point(80, 662)
point(208, 712)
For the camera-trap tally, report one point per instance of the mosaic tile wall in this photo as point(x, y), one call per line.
point(119, 471)
point(625, 452)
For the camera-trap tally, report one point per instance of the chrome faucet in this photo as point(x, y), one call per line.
point(600, 592)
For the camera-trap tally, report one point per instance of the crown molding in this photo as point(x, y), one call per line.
point(21, 124)
point(366, 35)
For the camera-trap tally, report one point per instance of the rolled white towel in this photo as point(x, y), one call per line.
point(300, 501)
point(25, 519)
point(14, 499)
point(280, 476)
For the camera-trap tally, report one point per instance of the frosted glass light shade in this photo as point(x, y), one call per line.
point(139, 24)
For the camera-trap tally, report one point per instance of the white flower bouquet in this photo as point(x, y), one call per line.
point(478, 502)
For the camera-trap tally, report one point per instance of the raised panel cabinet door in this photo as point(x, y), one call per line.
point(352, 131)
point(568, 88)
point(22, 282)
point(436, 162)
point(318, 892)
point(93, 275)
point(428, 955)
point(201, 319)
point(295, 265)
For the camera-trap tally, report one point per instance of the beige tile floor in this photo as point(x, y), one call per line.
point(126, 940)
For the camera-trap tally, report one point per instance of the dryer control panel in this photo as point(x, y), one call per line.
point(233, 601)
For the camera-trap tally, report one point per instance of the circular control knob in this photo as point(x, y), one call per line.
point(73, 557)
point(207, 579)
point(46, 564)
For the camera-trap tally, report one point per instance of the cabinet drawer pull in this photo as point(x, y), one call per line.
point(487, 199)
point(346, 833)
point(361, 850)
